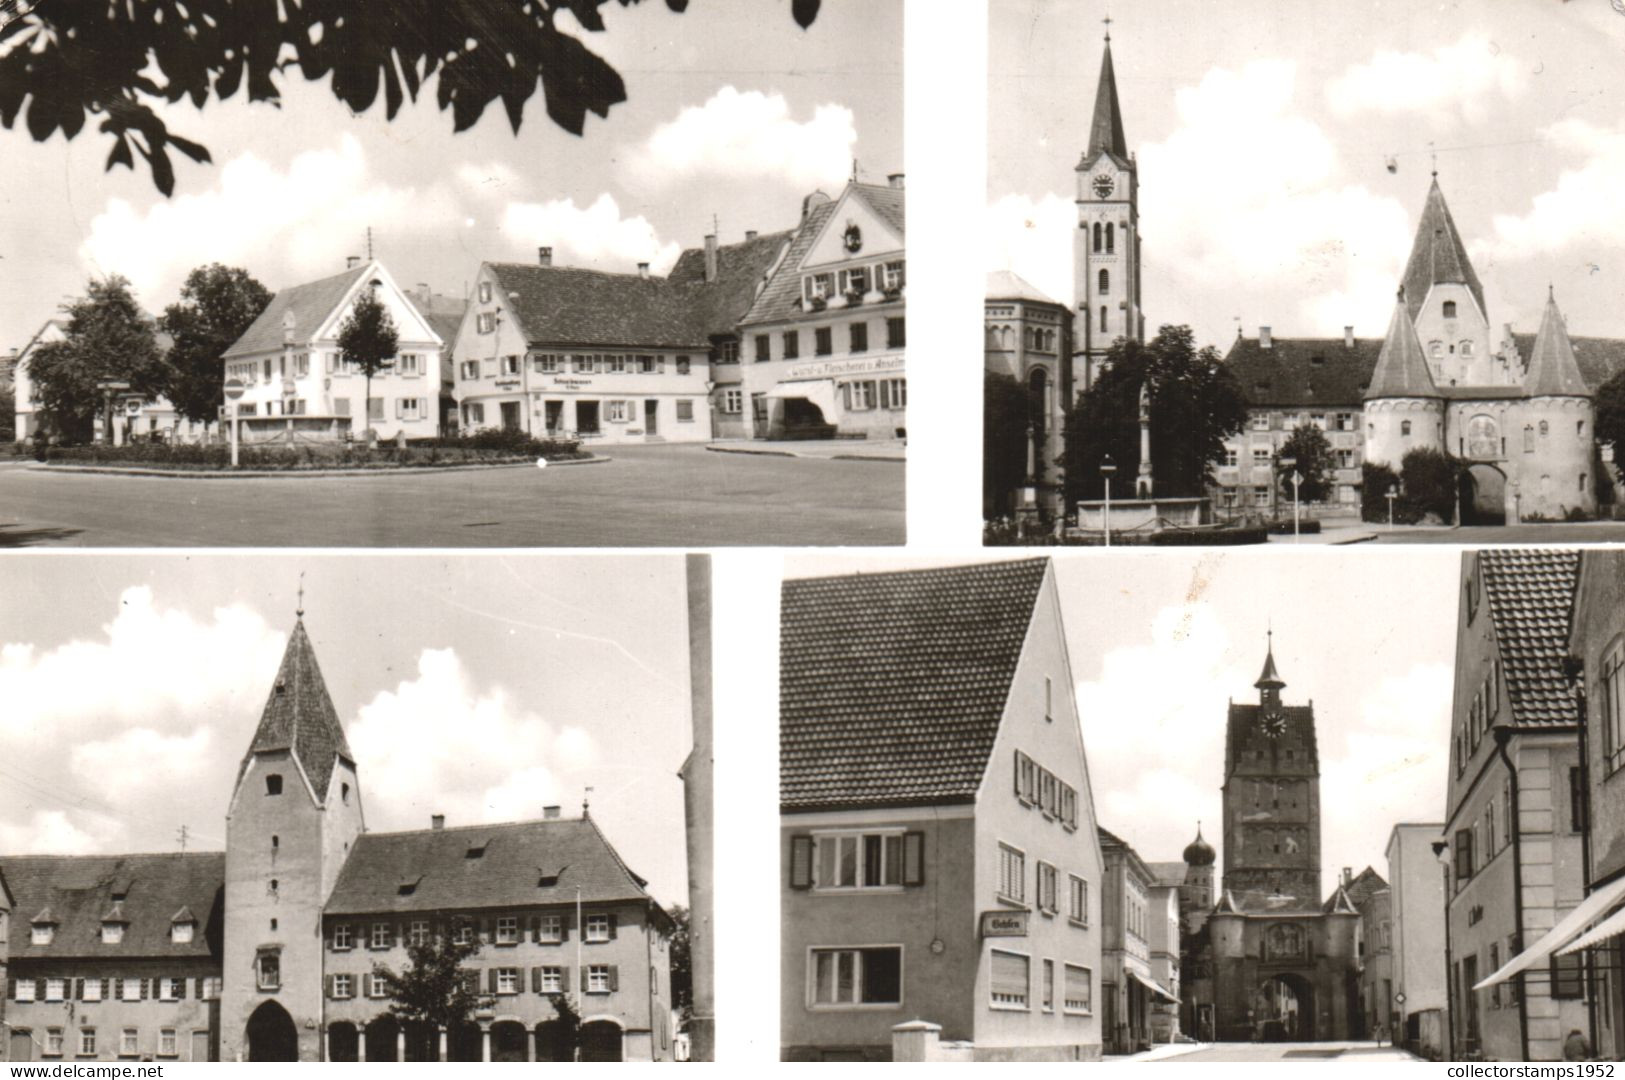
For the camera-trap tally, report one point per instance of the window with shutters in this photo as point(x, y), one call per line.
point(53, 1042)
point(764, 347)
point(507, 930)
point(1577, 800)
point(93, 990)
point(343, 986)
point(597, 928)
point(166, 1042)
point(552, 980)
point(412, 365)
point(1566, 977)
point(872, 860)
point(855, 978)
point(376, 986)
point(56, 989)
point(343, 938)
point(87, 1042)
point(791, 342)
point(25, 989)
point(896, 332)
point(169, 989)
point(685, 411)
point(1077, 993)
point(1613, 711)
point(463, 934)
point(1048, 1000)
point(380, 936)
point(598, 979)
point(1077, 900)
point(418, 932)
point(1009, 980)
point(128, 1042)
point(133, 990)
point(1047, 901)
point(822, 341)
point(550, 929)
point(1464, 854)
point(1012, 874)
point(507, 980)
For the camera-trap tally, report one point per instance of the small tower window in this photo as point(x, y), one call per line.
point(1105, 282)
point(276, 842)
point(1579, 429)
point(1099, 232)
point(273, 784)
point(1102, 318)
point(274, 884)
point(1545, 429)
point(344, 794)
point(1450, 309)
point(1111, 244)
point(1405, 427)
point(1466, 348)
point(1435, 348)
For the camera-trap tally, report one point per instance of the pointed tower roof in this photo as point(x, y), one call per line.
point(1553, 371)
point(1402, 369)
point(1438, 255)
point(1106, 130)
point(1227, 905)
point(299, 716)
point(1269, 678)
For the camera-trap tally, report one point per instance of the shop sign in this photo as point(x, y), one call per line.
point(507, 384)
point(566, 382)
point(1004, 923)
point(826, 369)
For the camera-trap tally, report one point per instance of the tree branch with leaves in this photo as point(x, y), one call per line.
point(435, 989)
point(368, 340)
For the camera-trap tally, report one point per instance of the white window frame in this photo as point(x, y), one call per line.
point(181, 933)
point(1047, 885)
point(1089, 981)
point(418, 932)
point(56, 989)
point(87, 1041)
point(1012, 868)
point(507, 980)
point(550, 929)
point(168, 989)
point(733, 401)
point(378, 936)
point(132, 990)
point(343, 937)
point(552, 980)
point(344, 986)
point(597, 979)
point(1026, 1003)
point(25, 989)
point(615, 411)
point(129, 1042)
point(41, 933)
point(463, 934)
point(53, 1042)
point(859, 840)
point(857, 1004)
point(93, 990)
point(507, 930)
point(410, 364)
point(167, 1043)
point(595, 928)
point(1078, 900)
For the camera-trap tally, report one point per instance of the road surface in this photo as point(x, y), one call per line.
point(1309, 1053)
point(667, 496)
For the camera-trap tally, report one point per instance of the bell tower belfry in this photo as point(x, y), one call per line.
point(293, 816)
point(1106, 245)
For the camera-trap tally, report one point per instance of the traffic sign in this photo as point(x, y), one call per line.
point(234, 388)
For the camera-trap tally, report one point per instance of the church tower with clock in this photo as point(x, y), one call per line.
point(1272, 799)
point(1106, 245)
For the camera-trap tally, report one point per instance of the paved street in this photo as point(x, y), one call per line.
point(1300, 1052)
point(1585, 532)
point(675, 496)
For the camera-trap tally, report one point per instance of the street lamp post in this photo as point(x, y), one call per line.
point(1107, 468)
point(1393, 493)
point(1290, 462)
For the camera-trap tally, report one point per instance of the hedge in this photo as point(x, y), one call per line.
point(281, 458)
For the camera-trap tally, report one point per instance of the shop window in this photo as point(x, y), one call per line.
point(1009, 978)
point(853, 977)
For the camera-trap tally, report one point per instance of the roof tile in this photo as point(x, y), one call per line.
point(76, 891)
point(1530, 593)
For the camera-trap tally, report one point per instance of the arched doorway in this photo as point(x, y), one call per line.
point(422, 1042)
point(463, 1043)
point(553, 1042)
point(1284, 1009)
point(803, 419)
point(508, 1041)
point(343, 1041)
point(381, 1039)
point(601, 1041)
point(1483, 495)
point(271, 1034)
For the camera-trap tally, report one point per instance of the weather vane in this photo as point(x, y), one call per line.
point(300, 610)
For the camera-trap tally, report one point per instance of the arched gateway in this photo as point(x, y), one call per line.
point(271, 1034)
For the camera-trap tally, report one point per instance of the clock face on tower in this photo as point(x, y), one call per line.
point(1274, 725)
point(1105, 185)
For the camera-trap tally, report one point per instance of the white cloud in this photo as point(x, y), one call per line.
point(1032, 238)
point(1583, 209)
point(1467, 80)
point(437, 744)
point(284, 224)
point(751, 136)
point(595, 235)
point(48, 832)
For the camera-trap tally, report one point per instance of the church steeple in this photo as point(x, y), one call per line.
point(1270, 679)
point(299, 716)
point(1106, 130)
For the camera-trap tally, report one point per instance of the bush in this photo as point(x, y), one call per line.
point(1432, 482)
point(1307, 527)
point(1002, 533)
point(284, 458)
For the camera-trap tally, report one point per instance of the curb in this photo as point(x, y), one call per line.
point(1364, 538)
point(294, 474)
point(805, 457)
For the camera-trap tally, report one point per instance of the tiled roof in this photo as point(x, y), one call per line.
point(1437, 256)
point(310, 304)
point(1530, 593)
point(1600, 359)
point(1340, 903)
point(521, 864)
point(886, 201)
point(892, 686)
point(1168, 873)
point(1553, 371)
point(299, 715)
point(1106, 127)
point(781, 298)
point(78, 890)
point(741, 268)
point(1366, 884)
point(444, 314)
point(1007, 285)
point(1308, 372)
point(1402, 367)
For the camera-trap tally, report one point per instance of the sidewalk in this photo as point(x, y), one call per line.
point(1163, 1052)
point(1333, 531)
point(827, 449)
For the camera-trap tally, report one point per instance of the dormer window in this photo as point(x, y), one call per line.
point(817, 286)
point(273, 784)
point(112, 933)
point(1450, 309)
point(43, 928)
point(181, 933)
point(475, 852)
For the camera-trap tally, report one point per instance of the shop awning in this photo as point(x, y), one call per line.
point(1609, 927)
point(1567, 929)
point(820, 392)
point(1157, 990)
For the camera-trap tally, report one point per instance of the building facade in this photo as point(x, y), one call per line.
point(1135, 914)
point(267, 952)
point(1515, 809)
point(824, 342)
point(938, 846)
point(1416, 884)
point(1518, 410)
point(1029, 338)
point(297, 385)
point(1373, 899)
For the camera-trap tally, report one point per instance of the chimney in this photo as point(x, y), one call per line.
point(1264, 337)
point(437, 821)
point(1348, 337)
point(544, 256)
point(550, 813)
point(643, 270)
point(894, 180)
point(710, 258)
point(352, 261)
point(750, 234)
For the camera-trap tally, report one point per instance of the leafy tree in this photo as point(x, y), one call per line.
point(565, 1027)
point(367, 339)
point(1432, 482)
point(1375, 483)
point(109, 339)
point(72, 61)
point(218, 303)
point(1006, 409)
point(8, 410)
point(682, 970)
point(435, 989)
point(1308, 447)
point(1611, 415)
point(1196, 404)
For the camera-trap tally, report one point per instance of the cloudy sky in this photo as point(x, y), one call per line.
point(1162, 641)
point(483, 688)
point(732, 111)
point(1263, 129)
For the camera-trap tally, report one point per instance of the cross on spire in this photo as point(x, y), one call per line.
point(1108, 21)
point(300, 609)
